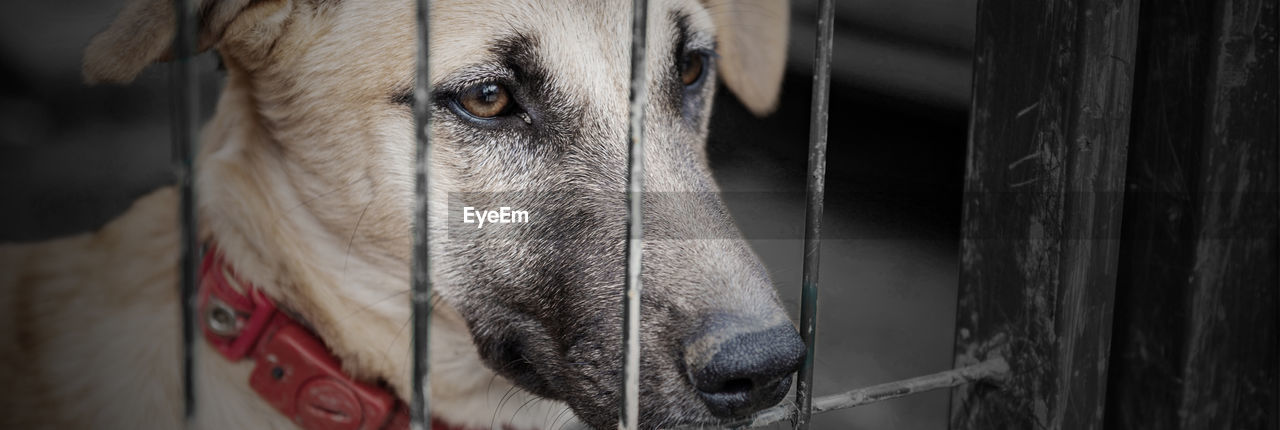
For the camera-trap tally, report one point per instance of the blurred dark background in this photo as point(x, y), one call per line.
point(72, 157)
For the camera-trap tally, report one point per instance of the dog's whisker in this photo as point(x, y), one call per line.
point(435, 300)
point(307, 202)
point(547, 418)
point(350, 240)
point(397, 337)
point(488, 392)
point(567, 410)
point(566, 421)
point(370, 306)
point(494, 420)
point(516, 414)
point(511, 393)
point(495, 378)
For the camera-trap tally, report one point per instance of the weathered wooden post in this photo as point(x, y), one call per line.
point(1042, 210)
point(1196, 325)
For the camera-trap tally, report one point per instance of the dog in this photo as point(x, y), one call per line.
point(305, 185)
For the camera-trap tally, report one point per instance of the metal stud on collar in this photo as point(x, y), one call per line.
point(220, 318)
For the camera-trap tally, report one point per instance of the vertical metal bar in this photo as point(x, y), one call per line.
point(630, 417)
point(813, 219)
point(183, 93)
point(420, 413)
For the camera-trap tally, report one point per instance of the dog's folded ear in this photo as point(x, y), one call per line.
point(144, 30)
point(752, 43)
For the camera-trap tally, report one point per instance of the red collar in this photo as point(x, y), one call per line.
point(294, 371)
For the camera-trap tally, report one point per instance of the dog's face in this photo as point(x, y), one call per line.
point(529, 111)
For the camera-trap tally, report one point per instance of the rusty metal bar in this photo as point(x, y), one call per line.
point(420, 413)
point(630, 414)
point(988, 371)
point(992, 371)
point(814, 199)
point(184, 99)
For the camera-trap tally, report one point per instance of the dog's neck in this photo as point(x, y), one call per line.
point(251, 203)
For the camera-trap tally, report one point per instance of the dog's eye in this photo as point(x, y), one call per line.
point(485, 100)
point(691, 67)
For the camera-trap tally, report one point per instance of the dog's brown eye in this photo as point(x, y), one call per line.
point(485, 100)
point(691, 68)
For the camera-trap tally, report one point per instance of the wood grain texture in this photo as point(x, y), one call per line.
point(1196, 324)
point(1042, 210)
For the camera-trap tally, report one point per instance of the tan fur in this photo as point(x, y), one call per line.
point(71, 305)
point(305, 181)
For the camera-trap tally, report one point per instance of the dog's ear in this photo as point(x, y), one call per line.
point(143, 33)
point(752, 43)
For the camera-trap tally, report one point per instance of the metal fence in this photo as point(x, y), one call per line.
point(184, 99)
point(1032, 319)
point(629, 414)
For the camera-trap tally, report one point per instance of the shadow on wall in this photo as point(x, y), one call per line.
point(72, 157)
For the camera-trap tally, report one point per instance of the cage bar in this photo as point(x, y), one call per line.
point(630, 415)
point(420, 294)
point(990, 371)
point(184, 99)
point(819, 113)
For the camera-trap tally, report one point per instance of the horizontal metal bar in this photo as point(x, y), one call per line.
point(992, 370)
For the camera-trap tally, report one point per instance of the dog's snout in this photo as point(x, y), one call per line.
point(739, 370)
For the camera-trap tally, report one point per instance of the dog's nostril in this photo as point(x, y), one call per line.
point(736, 386)
point(737, 372)
point(728, 387)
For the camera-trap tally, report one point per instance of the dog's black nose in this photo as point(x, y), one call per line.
point(738, 369)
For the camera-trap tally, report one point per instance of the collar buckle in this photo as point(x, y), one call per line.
point(293, 371)
point(233, 320)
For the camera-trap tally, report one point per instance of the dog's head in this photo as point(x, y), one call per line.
point(529, 112)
